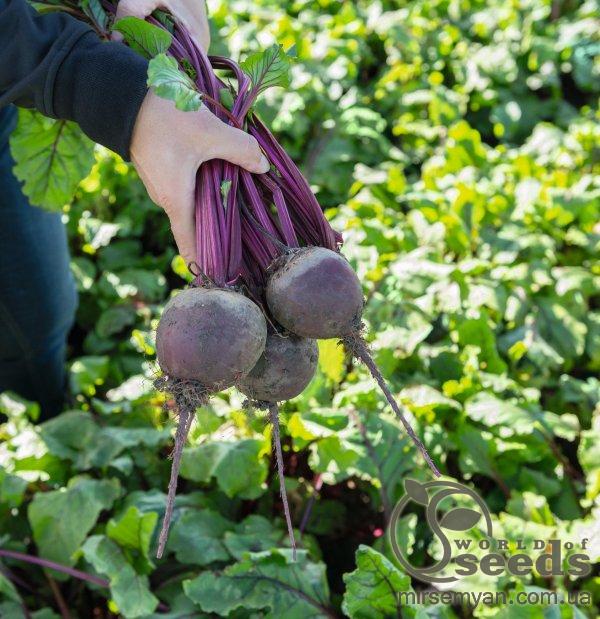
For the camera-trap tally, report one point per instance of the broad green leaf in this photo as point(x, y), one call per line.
point(93, 9)
point(51, 158)
point(332, 359)
point(197, 537)
point(385, 468)
point(87, 373)
point(492, 411)
point(477, 454)
point(139, 284)
point(561, 329)
point(12, 489)
point(76, 436)
point(12, 610)
point(237, 466)
point(8, 590)
point(477, 332)
point(423, 398)
point(114, 319)
point(145, 38)
point(133, 530)
point(61, 519)
point(316, 424)
point(372, 590)
point(254, 534)
point(334, 457)
point(268, 581)
point(169, 82)
point(268, 68)
point(226, 98)
point(130, 591)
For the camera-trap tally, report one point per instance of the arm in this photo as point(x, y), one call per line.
point(58, 65)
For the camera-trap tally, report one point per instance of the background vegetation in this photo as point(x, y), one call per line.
point(456, 144)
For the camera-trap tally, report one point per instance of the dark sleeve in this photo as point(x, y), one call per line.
point(59, 66)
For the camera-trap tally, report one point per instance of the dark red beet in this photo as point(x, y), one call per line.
point(211, 336)
point(315, 293)
point(283, 370)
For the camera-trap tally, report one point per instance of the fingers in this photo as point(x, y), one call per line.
point(134, 8)
point(189, 13)
point(237, 147)
point(180, 208)
point(183, 227)
point(192, 15)
point(137, 8)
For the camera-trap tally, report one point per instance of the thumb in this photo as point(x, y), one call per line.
point(237, 147)
point(134, 8)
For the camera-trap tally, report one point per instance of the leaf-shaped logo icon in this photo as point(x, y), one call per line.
point(460, 519)
point(416, 491)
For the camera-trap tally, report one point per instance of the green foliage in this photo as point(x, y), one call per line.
point(456, 144)
point(60, 520)
point(128, 589)
point(94, 11)
point(169, 82)
point(268, 68)
point(52, 156)
point(264, 580)
point(145, 38)
point(372, 589)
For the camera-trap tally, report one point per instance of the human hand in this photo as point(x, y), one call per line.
point(189, 13)
point(168, 147)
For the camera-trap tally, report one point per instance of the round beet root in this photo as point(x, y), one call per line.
point(315, 293)
point(283, 371)
point(211, 336)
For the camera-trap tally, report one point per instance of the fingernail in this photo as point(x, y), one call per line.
point(264, 165)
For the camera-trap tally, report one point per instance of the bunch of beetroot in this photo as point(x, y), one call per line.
point(269, 280)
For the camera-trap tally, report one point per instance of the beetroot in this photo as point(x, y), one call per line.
point(210, 336)
point(263, 234)
point(315, 293)
point(283, 371)
point(207, 339)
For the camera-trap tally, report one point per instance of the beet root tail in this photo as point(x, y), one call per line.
point(186, 417)
point(356, 345)
point(274, 414)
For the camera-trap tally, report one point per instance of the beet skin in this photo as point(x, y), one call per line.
point(315, 293)
point(283, 370)
point(212, 336)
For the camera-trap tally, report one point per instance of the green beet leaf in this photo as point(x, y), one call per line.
point(169, 82)
point(145, 38)
point(133, 530)
point(268, 68)
point(372, 589)
point(237, 467)
point(130, 591)
point(61, 519)
point(94, 11)
point(197, 537)
point(51, 158)
point(266, 580)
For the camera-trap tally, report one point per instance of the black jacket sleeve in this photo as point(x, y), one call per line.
point(59, 66)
